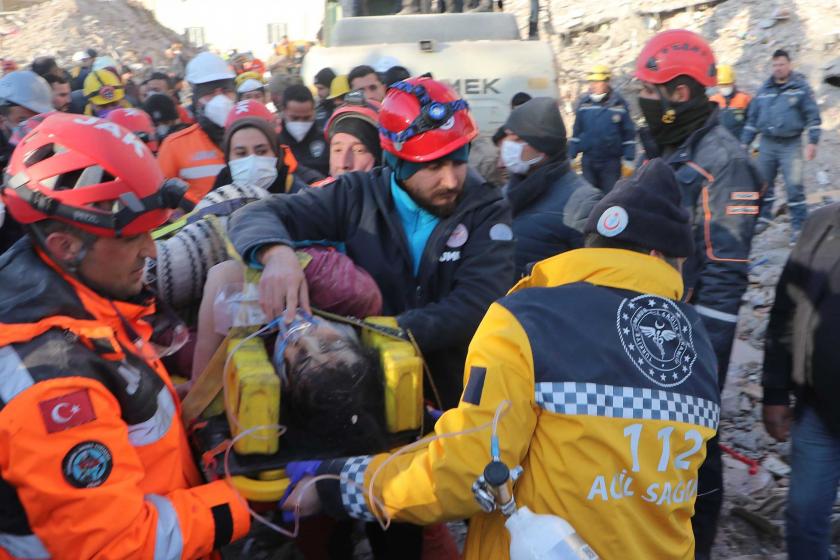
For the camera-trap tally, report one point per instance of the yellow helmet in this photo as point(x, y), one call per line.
point(250, 75)
point(725, 75)
point(599, 73)
point(339, 86)
point(103, 87)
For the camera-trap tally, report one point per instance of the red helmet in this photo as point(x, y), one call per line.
point(423, 120)
point(677, 52)
point(249, 108)
point(355, 107)
point(70, 164)
point(26, 127)
point(255, 65)
point(137, 121)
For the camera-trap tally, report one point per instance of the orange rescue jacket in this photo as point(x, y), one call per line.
point(192, 156)
point(94, 459)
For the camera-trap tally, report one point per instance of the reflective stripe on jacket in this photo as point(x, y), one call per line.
point(94, 459)
point(613, 394)
point(192, 156)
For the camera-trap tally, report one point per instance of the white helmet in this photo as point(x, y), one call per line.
point(208, 67)
point(27, 89)
point(79, 56)
point(250, 85)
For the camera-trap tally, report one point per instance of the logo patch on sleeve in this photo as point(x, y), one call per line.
point(67, 411)
point(87, 465)
point(475, 385)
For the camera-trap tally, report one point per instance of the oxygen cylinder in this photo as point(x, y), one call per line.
point(545, 537)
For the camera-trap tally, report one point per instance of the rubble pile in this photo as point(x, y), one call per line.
point(121, 29)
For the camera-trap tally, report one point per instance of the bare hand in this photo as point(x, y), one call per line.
point(810, 152)
point(282, 285)
point(777, 420)
point(305, 495)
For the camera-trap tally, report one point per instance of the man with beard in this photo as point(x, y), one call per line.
point(721, 190)
point(433, 235)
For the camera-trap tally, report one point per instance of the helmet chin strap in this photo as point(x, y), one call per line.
point(70, 266)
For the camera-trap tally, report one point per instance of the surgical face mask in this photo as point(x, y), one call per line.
point(511, 154)
point(254, 171)
point(597, 97)
point(299, 129)
point(726, 91)
point(217, 109)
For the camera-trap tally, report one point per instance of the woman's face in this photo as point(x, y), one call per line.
point(319, 344)
point(249, 141)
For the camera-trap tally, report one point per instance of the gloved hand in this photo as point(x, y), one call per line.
point(296, 471)
point(628, 167)
point(577, 165)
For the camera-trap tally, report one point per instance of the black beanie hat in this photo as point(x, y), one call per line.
point(645, 211)
point(161, 107)
point(324, 77)
point(538, 122)
point(364, 131)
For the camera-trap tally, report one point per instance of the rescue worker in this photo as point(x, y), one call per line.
point(94, 459)
point(159, 82)
point(23, 94)
point(734, 103)
point(300, 132)
point(366, 79)
point(603, 132)
point(338, 89)
point(61, 92)
point(353, 136)
point(47, 66)
point(194, 154)
point(622, 471)
point(104, 92)
point(783, 109)
point(721, 191)
point(550, 202)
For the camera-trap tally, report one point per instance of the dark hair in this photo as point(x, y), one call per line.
point(520, 98)
point(160, 76)
point(598, 241)
point(324, 77)
point(299, 93)
point(781, 53)
point(43, 65)
point(694, 87)
point(338, 407)
point(396, 74)
point(52, 79)
point(360, 72)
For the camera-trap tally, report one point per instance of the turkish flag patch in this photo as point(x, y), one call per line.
point(67, 411)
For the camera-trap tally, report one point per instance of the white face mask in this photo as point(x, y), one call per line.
point(254, 171)
point(512, 157)
point(726, 91)
point(217, 109)
point(597, 97)
point(299, 129)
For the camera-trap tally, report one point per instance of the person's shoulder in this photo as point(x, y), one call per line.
point(178, 135)
point(823, 216)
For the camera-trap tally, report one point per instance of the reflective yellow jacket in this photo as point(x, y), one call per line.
point(614, 394)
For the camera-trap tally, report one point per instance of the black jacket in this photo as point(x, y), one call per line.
point(459, 277)
point(721, 189)
point(312, 152)
point(801, 350)
point(550, 207)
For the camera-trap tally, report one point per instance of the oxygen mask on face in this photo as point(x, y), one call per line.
point(302, 325)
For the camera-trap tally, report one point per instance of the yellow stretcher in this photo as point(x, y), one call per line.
point(253, 403)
